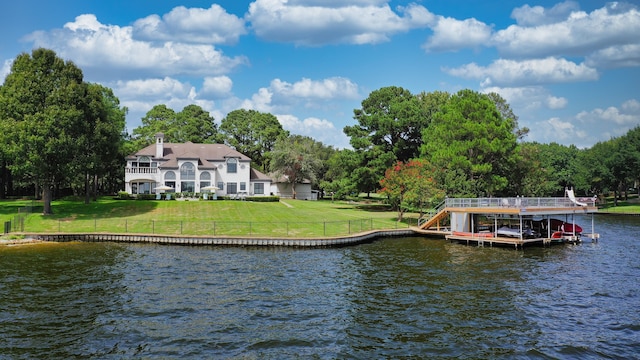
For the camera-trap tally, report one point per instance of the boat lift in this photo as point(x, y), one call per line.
point(465, 214)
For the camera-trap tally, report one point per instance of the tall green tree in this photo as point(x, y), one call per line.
point(529, 176)
point(389, 129)
point(103, 141)
point(160, 119)
point(597, 160)
point(392, 119)
point(195, 124)
point(295, 160)
point(564, 168)
point(622, 165)
point(507, 113)
point(339, 178)
point(473, 144)
point(42, 104)
point(252, 133)
point(631, 141)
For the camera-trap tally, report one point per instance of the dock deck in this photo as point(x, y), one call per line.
point(505, 241)
point(464, 226)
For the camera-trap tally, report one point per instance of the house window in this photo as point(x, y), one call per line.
point(144, 161)
point(187, 171)
point(232, 188)
point(171, 184)
point(204, 184)
point(205, 175)
point(220, 185)
point(232, 166)
point(142, 188)
point(170, 175)
point(258, 188)
point(188, 186)
point(243, 186)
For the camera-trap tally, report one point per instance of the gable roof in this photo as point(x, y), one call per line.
point(257, 175)
point(275, 178)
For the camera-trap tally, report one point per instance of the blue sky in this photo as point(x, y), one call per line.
point(570, 70)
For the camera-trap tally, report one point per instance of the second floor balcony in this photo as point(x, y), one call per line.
point(141, 170)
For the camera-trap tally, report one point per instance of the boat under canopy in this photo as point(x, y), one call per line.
point(520, 218)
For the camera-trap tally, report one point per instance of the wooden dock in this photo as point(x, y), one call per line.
point(501, 241)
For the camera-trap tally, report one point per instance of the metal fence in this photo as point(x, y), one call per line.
point(220, 228)
point(16, 223)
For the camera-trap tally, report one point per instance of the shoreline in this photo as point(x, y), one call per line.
point(353, 239)
point(25, 241)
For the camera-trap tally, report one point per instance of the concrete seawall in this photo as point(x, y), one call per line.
point(228, 241)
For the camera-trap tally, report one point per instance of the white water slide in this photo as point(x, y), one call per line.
point(572, 197)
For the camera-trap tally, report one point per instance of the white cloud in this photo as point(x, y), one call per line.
point(528, 72)
point(337, 3)
point(309, 125)
point(281, 96)
point(218, 86)
point(319, 129)
point(153, 88)
point(616, 56)
point(5, 69)
point(553, 102)
point(580, 33)
point(452, 34)
point(589, 127)
point(538, 15)
point(627, 116)
point(330, 88)
point(191, 25)
point(529, 98)
point(631, 106)
point(139, 96)
point(563, 131)
point(317, 23)
point(260, 101)
point(93, 46)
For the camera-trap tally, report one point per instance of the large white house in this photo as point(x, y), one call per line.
point(189, 167)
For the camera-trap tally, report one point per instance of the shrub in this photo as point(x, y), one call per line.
point(146, 197)
point(123, 195)
point(264, 198)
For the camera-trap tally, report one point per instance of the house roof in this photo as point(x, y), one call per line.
point(257, 175)
point(204, 153)
point(283, 179)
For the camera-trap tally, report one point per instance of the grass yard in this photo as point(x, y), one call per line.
point(629, 206)
point(288, 218)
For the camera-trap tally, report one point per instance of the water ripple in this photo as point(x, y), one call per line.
point(397, 298)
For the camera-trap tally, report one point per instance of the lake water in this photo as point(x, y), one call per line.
point(393, 298)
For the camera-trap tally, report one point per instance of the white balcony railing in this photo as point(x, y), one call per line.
point(519, 202)
point(141, 170)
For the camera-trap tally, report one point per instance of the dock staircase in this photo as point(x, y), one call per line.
point(433, 216)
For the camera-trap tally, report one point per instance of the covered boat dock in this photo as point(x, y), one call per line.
point(514, 221)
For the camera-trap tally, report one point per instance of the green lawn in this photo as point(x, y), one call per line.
point(629, 206)
point(288, 218)
point(622, 208)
